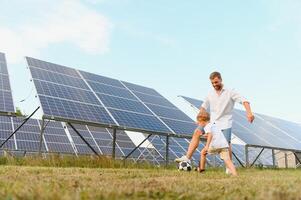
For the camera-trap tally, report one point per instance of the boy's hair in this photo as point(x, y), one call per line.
point(204, 117)
point(213, 75)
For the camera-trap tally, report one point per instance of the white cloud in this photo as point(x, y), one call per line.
point(63, 21)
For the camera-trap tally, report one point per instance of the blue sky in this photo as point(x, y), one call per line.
point(168, 45)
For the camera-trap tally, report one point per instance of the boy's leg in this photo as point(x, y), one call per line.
point(203, 160)
point(194, 143)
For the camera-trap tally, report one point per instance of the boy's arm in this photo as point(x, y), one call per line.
point(209, 139)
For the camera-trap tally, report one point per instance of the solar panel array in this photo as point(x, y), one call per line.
point(67, 94)
point(6, 100)
point(264, 131)
point(56, 140)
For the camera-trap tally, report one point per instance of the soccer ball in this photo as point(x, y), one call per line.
point(184, 166)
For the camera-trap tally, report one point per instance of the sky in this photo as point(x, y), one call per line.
point(168, 45)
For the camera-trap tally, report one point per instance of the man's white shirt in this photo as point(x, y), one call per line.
point(218, 139)
point(221, 106)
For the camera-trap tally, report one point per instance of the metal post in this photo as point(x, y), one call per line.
point(286, 161)
point(114, 143)
point(41, 136)
point(274, 158)
point(247, 156)
point(167, 151)
point(24, 122)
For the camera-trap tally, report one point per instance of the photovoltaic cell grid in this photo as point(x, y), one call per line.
point(28, 137)
point(6, 100)
point(64, 94)
point(264, 131)
point(67, 94)
point(56, 138)
point(6, 129)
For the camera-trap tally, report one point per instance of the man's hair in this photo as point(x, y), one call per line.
point(204, 117)
point(213, 75)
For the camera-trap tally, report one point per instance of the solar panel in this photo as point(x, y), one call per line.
point(6, 100)
point(28, 137)
point(80, 145)
point(67, 94)
point(56, 138)
point(5, 131)
point(262, 132)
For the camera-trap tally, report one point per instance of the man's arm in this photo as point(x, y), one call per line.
point(240, 99)
point(205, 106)
point(250, 115)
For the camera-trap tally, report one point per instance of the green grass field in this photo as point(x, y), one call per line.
point(55, 179)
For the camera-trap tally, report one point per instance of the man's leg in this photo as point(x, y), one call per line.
point(228, 134)
point(229, 164)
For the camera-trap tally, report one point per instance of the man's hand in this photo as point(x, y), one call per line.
point(250, 117)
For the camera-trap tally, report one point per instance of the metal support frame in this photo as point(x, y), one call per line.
point(247, 155)
point(43, 128)
point(286, 160)
point(239, 161)
point(298, 163)
point(126, 157)
point(24, 122)
point(114, 143)
point(167, 151)
point(87, 143)
point(257, 157)
point(273, 158)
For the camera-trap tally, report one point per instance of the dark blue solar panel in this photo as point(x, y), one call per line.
point(6, 100)
point(4, 82)
point(2, 57)
point(169, 113)
point(57, 78)
point(28, 137)
point(51, 67)
point(266, 132)
point(54, 90)
point(56, 138)
point(101, 79)
point(194, 102)
point(180, 127)
point(291, 129)
point(5, 131)
point(123, 104)
point(134, 120)
point(115, 91)
point(141, 89)
point(73, 110)
point(3, 68)
point(154, 100)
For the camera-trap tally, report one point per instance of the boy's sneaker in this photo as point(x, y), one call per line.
point(182, 159)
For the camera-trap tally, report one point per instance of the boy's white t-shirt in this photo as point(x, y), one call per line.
point(218, 139)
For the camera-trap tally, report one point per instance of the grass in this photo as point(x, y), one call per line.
point(23, 179)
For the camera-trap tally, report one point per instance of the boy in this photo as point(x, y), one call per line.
point(216, 143)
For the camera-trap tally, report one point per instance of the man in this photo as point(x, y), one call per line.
point(220, 103)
